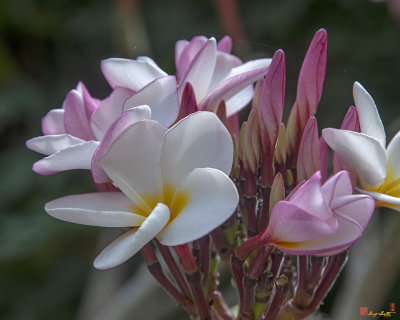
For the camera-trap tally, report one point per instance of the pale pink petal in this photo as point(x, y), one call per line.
point(76, 121)
point(308, 157)
point(201, 70)
point(356, 206)
point(89, 102)
point(225, 44)
point(310, 198)
point(50, 144)
point(131, 242)
point(289, 223)
point(53, 122)
point(338, 185)
point(188, 54)
point(127, 118)
point(131, 159)
point(223, 67)
point(272, 100)
point(78, 156)
point(102, 209)
point(130, 74)
point(393, 154)
point(363, 153)
point(108, 111)
point(180, 46)
point(200, 140)
point(370, 122)
point(232, 86)
point(348, 232)
point(312, 75)
point(161, 96)
point(212, 199)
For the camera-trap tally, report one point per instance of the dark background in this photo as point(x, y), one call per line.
point(46, 47)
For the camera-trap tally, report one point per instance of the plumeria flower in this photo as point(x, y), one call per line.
point(174, 184)
point(315, 219)
point(213, 73)
point(378, 169)
point(73, 132)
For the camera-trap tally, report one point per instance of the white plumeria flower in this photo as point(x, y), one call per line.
point(174, 185)
point(378, 167)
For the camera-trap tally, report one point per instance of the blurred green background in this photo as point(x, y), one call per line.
point(46, 47)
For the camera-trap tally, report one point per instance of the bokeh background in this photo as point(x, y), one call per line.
point(46, 47)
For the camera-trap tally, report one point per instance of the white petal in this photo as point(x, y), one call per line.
point(131, 160)
point(130, 74)
point(213, 198)
point(370, 122)
point(383, 198)
point(200, 70)
point(78, 156)
point(108, 111)
point(238, 101)
point(102, 209)
point(393, 154)
point(198, 141)
point(161, 96)
point(53, 122)
point(50, 144)
point(363, 153)
point(131, 242)
point(249, 66)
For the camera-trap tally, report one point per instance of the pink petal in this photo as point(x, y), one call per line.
point(323, 158)
point(337, 186)
point(308, 157)
point(356, 206)
point(108, 111)
point(223, 67)
point(76, 121)
point(310, 198)
point(186, 53)
point(90, 103)
point(272, 101)
point(225, 44)
point(128, 118)
point(347, 233)
point(188, 102)
point(289, 223)
point(200, 70)
point(229, 87)
point(53, 122)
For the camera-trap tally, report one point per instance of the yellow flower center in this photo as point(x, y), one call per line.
point(175, 201)
point(391, 187)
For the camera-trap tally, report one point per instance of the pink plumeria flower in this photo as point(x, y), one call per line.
point(378, 167)
point(73, 132)
point(315, 219)
point(213, 72)
point(174, 185)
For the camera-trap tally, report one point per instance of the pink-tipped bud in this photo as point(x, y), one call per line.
point(308, 158)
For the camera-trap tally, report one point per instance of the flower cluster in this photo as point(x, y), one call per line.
point(174, 168)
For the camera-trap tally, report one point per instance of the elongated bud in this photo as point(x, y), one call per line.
point(272, 101)
point(308, 158)
point(281, 146)
point(309, 88)
point(323, 159)
point(251, 145)
point(255, 104)
point(277, 191)
point(235, 163)
point(188, 102)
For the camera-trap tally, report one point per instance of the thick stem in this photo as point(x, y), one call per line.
point(278, 296)
point(238, 275)
point(225, 251)
point(221, 307)
point(263, 218)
